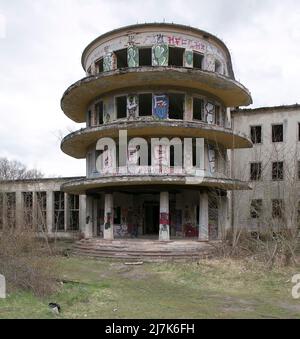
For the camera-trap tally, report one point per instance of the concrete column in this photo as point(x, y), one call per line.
point(223, 217)
point(164, 217)
point(203, 227)
point(67, 212)
point(82, 213)
point(19, 210)
point(109, 217)
point(88, 232)
point(50, 212)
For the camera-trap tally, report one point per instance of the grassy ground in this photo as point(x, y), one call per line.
point(209, 289)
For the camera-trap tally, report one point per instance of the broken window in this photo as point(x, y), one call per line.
point(28, 208)
point(99, 66)
point(41, 211)
point(145, 56)
point(145, 105)
point(277, 133)
point(122, 59)
point(198, 109)
point(121, 107)
point(198, 60)
point(176, 106)
point(256, 171)
point(99, 113)
point(74, 212)
point(277, 209)
point(277, 170)
point(256, 134)
point(256, 209)
point(59, 212)
point(176, 56)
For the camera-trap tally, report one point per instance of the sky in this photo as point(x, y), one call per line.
point(41, 42)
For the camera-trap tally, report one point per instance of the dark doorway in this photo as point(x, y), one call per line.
point(151, 219)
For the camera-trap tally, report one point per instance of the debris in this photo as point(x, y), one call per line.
point(55, 308)
point(134, 263)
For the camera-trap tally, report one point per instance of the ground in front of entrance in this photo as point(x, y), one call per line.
point(208, 289)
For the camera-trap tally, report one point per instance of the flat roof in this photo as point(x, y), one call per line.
point(41, 180)
point(266, 109)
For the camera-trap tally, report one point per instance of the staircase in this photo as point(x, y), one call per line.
point(145, 250)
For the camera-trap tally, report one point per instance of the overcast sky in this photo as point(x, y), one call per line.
point(41, 42)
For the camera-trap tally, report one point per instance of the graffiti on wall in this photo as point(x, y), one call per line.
point(160, 55)
point(189, 59)
point(160, 106)
point(133, 56)
point(161, 159)
point(108, 63)
point(132, 106)
point(210, 113)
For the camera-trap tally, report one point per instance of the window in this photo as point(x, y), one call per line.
point(74, 212)
point(11, 209)
point(256, 134)
point(218, 113)
point(277, 133)
point(122, 61)
point(176, 106)
point(59, 211)
point(117, 216)
point(198, 108)
point(256, 209)
point(99, 112)
point(99, 66)
point(28, 208)
point(277, 171)
point(256, 171)
point(145, 105)
point(198, 60)
point(121, 107)
point(277, 209)
point(145, 57)
point(41, 211)
point(176, 56)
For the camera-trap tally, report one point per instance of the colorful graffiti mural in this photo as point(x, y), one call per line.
point(132, 106)
point(133, 56)
point(160, 106)
point(160, 55)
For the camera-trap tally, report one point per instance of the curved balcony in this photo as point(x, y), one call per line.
point(77, 98)
point(170, 181)
point(76, 144)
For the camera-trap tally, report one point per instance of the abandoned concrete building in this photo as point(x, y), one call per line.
point(160, 81)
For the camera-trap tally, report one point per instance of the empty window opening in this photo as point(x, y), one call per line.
point(122, 61)
point(176, 106)
point(74, 212)
point(145, 57)
point(117, 216)
point(172, 156)
point(28, 208)
point(198, 60)
point(89, 118)
point(198, 109)
point(99, 112)
point(256, 209)
point(145, 105)
point(256, 170)
point(121, 107)
point(277, 209)
point(99, 66)
point(277, 171)
point(277, 133)
point(41, 211)
point(218, 67)
point(176, 56)
point(11, 210)
point(256, 134)
point(59, 212)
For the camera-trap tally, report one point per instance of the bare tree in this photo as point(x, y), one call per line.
point(15, 170)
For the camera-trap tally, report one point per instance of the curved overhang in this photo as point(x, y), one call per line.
point(81, 94)
point(76, 144)
point(171, 181)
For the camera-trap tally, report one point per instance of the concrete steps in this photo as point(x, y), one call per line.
point(143, 250)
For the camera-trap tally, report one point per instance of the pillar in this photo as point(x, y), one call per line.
point(50, 212)
point(109, 217)
point(67, 212)
point(19, 210)
point(203, 227)
point(164, 217)
point(82, 213)
point(35, 211)
point(88, 231)
point(223, 216)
